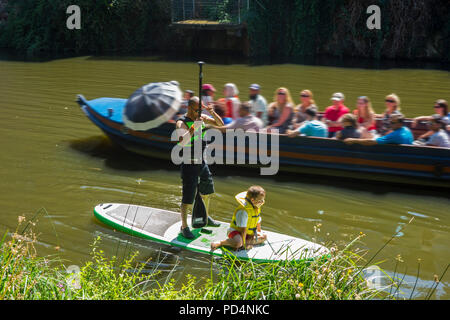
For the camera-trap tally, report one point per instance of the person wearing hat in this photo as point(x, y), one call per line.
point(439, 138)
point(399, 135)
point(441, 108)
point(334, 113)
point(258, 103)
point(208, 92)
point(311, 127)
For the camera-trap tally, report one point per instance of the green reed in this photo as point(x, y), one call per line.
point(337, 276)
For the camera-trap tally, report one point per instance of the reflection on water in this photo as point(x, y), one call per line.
point(54, 157)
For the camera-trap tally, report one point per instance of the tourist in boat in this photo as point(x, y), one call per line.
point(366, 117)
point(441, 108)
point(311, 127)
point(399, 134)
point(246, 120)
point(281, 111)
point(334, 113)
point(230, 101)
point(258, 103)
point(195, 174)
point(350, 127)
point(188, 94)
point(208, 92)
point(307, 101)
point(219, 108)
point(392, 107)
point(439, 138)
point(245, 226)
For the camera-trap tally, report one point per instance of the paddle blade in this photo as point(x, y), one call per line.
point(199, 215)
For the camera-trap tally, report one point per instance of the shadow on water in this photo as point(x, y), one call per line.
point(317, 60)
point(230, 59)
point(119, 159)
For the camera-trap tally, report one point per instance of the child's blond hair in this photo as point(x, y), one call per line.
point(255, 191)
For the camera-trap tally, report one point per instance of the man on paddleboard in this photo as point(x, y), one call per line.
point(245, 227)
point(195, 173)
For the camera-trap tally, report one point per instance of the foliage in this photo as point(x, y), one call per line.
point(38, 28)
point(26, 276)
point(277, 30)
point(333, 278)
point(410, 29)
point(23, 275)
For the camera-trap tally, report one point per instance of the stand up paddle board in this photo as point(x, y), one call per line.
point(164, 226)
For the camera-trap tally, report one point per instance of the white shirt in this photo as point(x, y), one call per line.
point(249, 122)
point(259, 105)
point(439, 139)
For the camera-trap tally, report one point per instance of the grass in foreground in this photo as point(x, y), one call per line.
point(26, 276)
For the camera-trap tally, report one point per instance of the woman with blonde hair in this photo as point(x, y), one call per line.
point(281, 110)
point(392, 108)
point(307, 101)
point(365, 117)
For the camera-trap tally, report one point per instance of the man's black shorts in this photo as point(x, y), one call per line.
point(194, 175)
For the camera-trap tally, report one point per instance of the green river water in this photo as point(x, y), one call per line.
point(52, 156)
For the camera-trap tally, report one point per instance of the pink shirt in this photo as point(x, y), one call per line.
point(333, 114)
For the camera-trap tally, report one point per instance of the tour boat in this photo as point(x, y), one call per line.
point(418, 165)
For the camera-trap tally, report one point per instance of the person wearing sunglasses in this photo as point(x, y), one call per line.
point(281, 111)
point(195, 173)
point(392, 102)
point(245, 226)
point(399, 134)
point(439, 138)
point(307, 102)
point(441, 109)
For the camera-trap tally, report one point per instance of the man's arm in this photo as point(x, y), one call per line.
point(333, 124)
point(216, 121)
point(184, 134)
point(221, 129)
point(417, 119)
point(426, 135)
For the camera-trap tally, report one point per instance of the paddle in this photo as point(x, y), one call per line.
point(200, 84)
point(199, 215)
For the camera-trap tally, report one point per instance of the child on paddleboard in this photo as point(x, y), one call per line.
point(245, 227)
